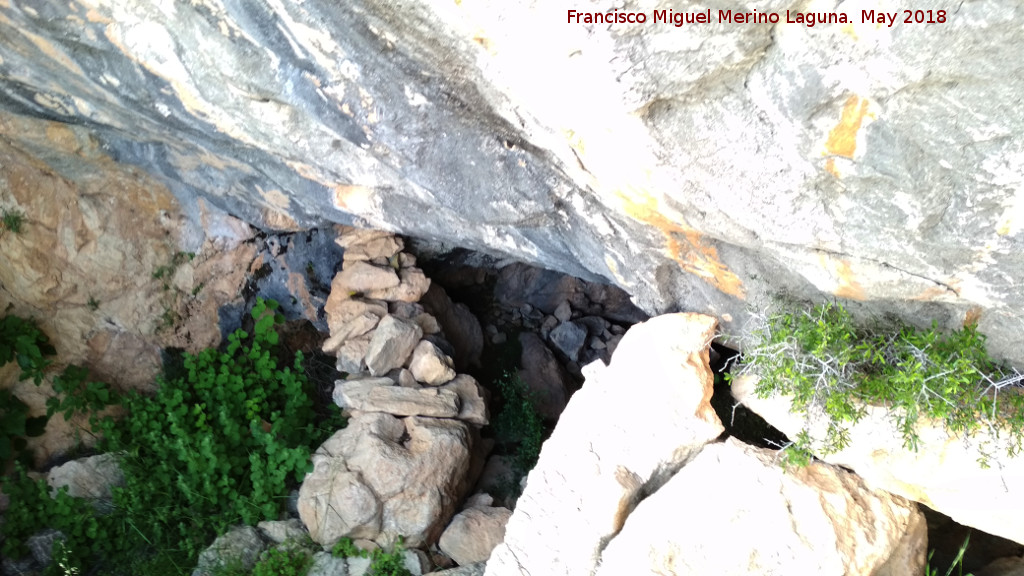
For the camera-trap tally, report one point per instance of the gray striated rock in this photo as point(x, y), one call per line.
point(709, 167)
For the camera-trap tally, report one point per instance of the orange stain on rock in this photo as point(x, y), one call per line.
point(972, 316)
point(684, 244)
point(842, 140)
point(830, 167)
point(846, 284)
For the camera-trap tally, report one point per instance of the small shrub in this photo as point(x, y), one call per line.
point(381, 563)
point(828, 363)
point(518, 426)
point(23, 342)
point(280, 562)
point(220, 444)
point(12, 220)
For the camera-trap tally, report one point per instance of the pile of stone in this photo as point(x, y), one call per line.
point(412, 449)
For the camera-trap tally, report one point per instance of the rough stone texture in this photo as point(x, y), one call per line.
point(240, 546)
point(360, 277)
point(341, 309)
point(733, 510)
point(708, 167)
point(352, 355)
point(279, 531)
point(381, 395)
point(391, 344)
point(91, 477)
point(414, 284)
point(943, 474)
point(569, 338)
point(460, 326)
point(431, 366)
point(589, 477)
point(362, 244)
point(324, 564)
point(472, 399)
point(408, 472)
point(473, 534)
point(544, 376)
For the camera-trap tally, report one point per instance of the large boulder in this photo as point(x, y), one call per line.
point(653, 413)
point(705, 167)
point(733, 510)
point(383, 477)
point(944, 474)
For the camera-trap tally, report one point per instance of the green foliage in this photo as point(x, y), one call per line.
point(12, 220)
point(16, 426)
point(220, 444)
point(518, 427)
point(21, 340)
point(829, 364)
point(283, 562)
point(344, 548)
point(75, 395)
point(381, 563)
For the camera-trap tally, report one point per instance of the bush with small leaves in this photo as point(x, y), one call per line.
point(221, 444)
point(827, 362)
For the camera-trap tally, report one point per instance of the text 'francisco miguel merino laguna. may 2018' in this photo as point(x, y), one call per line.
point(708, 16)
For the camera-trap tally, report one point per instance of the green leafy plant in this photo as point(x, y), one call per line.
point(22, 341)
point(16, 426)
point(12, 220)
point(518, 426)
point(828, 363)
point(93, 304)
point(219, 444)
point(283, 562)
point(382, 563)
point(76, 395)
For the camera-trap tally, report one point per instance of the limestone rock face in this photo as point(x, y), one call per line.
point(943, 474)
point(733, 510)
point(708, 172)
point(653, 403)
